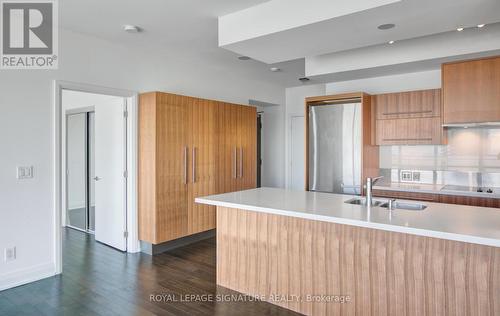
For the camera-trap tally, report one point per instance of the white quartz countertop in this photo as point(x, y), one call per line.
point(478, 225)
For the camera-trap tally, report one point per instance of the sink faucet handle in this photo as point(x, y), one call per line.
point(391, 204)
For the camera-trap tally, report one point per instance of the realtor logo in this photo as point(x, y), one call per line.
point(29, 34)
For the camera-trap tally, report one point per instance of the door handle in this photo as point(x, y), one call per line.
point(194, 164)
point(97, 178)
point(241, 162)
point(235, 158)
point(185, 165)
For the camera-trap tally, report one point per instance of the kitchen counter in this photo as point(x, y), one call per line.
point(433, 189)
point(477, 225)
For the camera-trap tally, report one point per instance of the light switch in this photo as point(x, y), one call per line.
point(10, 254)
point(25, 172)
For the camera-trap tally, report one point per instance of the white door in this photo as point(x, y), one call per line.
point(110, 165)
point(297, 153)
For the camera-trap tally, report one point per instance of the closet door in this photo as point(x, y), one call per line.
point(248, 148)
point(203, 164)
point(172, 166)
point(229, 118)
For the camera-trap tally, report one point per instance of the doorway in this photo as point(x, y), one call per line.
point(259, 149)
point(96, 172)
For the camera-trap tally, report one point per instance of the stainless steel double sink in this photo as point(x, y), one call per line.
point(396, 205)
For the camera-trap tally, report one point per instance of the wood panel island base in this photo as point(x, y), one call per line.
point(301, 261)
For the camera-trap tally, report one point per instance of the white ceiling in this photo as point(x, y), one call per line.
point(176, 29)
point(183, 30)
point(273, 42)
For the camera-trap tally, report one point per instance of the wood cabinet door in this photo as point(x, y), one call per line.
point(203, 163)
point(247, 157)
point(228, 136)
point(411, 104)
point(172, 143)
point(409, 131)
point(471, 91)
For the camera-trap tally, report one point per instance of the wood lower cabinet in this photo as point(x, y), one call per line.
point(439, 198)
point(471, 91)
point(190, 147)
point(407, 195)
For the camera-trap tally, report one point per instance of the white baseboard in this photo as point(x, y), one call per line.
point(24, 276)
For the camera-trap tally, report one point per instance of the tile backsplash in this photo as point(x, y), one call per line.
point(472, 157)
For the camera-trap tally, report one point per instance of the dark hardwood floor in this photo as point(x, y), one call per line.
point(99, 280)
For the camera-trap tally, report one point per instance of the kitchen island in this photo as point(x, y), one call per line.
point(315, 254)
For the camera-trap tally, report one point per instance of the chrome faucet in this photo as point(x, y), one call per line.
point(369, 184)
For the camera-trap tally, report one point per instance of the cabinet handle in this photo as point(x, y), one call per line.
point(403, 139)
point(409, 112)
point(235, 171)
point(185, 165)
point(241, 162)
point(194, 164)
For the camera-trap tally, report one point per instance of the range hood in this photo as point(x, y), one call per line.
point(466, 125)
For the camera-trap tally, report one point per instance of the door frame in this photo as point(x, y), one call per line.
point(131, 161)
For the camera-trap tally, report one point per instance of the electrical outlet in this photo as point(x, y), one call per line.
point(416, 176)
point(25, 172)
point(10, 254)
point(406, 176)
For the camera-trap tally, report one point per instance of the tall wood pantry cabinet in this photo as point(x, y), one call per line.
point(190, 147)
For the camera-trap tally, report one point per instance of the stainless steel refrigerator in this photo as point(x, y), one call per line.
point(335, 144)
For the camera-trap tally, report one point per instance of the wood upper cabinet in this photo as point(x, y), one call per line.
point(409, 131)
point(471, 91)
point(190, 147)
point(409, 118)
point(423, 103)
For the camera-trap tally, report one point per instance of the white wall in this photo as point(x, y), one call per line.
point(273, 147)
point(395, 83)
point(295, 106)
point(27, 127)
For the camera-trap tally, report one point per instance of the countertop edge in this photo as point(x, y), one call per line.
point(392, 228)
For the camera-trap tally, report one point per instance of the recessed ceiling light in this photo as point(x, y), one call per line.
point(391, 42)
point(275, 69)
point(386, 26)
point(460, 29)
point(480, 25)
point(244, 58)
point(131, 28)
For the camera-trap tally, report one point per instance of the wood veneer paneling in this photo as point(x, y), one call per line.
point(384, 273)
point(471, 91)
